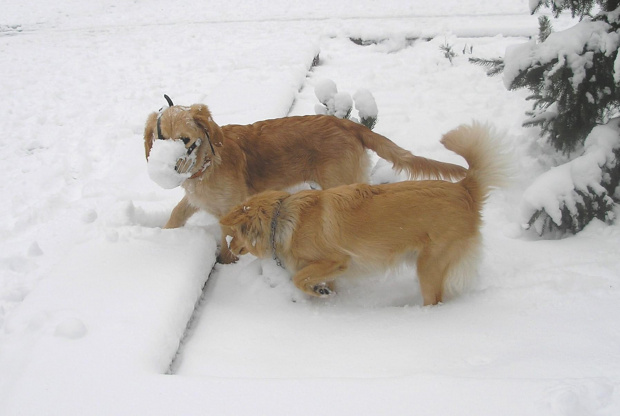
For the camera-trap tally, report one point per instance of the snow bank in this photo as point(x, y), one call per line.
point(118, 302)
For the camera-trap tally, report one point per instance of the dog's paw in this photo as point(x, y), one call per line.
point(322, 290)
point(227, 258)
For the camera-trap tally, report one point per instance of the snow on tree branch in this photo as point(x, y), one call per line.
point(567, 197)
point(569, 46)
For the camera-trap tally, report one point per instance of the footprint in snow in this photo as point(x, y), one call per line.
point(71, 328)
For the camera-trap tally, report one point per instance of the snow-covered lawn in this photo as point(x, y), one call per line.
point(97, 302)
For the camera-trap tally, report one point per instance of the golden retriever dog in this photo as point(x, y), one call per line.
point(231, 163)
point(318, 234)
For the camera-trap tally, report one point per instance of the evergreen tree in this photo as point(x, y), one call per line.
point(574, 76)
point(579, 8)
point(572, 92)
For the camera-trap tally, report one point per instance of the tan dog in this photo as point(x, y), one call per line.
point(234, 162)
point(318, 235)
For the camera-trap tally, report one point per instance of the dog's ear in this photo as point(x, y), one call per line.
point(202, 117)
point(149, 133)
point(235, 217)
point(244, 220)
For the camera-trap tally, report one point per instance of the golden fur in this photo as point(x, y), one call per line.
point(317, 235)
point(273, 154)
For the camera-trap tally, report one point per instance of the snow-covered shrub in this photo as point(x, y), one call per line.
point(366, 107)
point(568, 197)
point(340, 104)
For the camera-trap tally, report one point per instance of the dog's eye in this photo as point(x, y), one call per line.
point(184, 139)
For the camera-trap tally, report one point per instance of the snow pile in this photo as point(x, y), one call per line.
point(561, 190)
point(163, 159)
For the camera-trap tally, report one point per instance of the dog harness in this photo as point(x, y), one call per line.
point(272, 237)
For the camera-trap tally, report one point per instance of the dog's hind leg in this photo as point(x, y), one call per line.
point(315, 279)
point(447, 269)
point(431, 274)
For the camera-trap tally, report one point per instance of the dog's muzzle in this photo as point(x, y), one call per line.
point(187, 163)
point(193, 146)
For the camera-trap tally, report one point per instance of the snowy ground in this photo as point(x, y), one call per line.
point(95, 297)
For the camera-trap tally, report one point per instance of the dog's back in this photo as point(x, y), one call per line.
point(323, 149)
point(283, 152)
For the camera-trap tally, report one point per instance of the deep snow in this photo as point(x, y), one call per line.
point(95, 297)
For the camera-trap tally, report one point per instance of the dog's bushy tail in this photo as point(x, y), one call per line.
point(488, 162)
point(489, 167)
point(403, 160)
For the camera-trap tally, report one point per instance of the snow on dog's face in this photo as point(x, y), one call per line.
point(167, 163)
point(179, 143)
point(239, 245)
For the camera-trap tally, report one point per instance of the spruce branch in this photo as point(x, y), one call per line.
point(494, 66)
point(544, 28)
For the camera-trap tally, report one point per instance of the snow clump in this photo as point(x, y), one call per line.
point(325, 90)
point(162, 161)
point(365, 104)
point(333, 103)
point(343, 103)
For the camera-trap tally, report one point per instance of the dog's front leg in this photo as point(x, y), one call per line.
point(316, 279)
point(180, 214)
point(226, 256)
